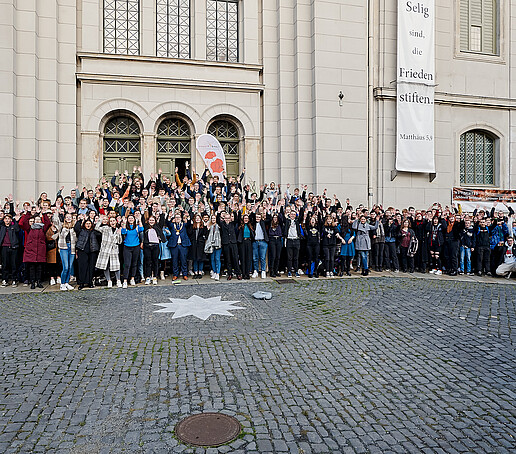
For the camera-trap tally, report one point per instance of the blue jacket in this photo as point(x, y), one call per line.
point(498, 235)
point(183, 234)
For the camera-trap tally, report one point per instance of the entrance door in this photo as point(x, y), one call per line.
point(173, 147)
point(121, 146)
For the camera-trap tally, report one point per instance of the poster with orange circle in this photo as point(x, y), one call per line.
point(212, 154)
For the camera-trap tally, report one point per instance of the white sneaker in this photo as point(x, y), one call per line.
point(110, 284)
point(191, 273)
point(69, 287)
point(4, 283)
point(124, 285)
point(52, 281)
point(327, 274)
point(300, 272)
point(211, 273)
point(15, 284)
point(438, 272)
point(154, 281)
point(217, 277)
point(255, 274)
point(162, 275)
point(58, 280)
point(72, 278)
point(264, 274)
point(132, 281)
point(63, 288)
point(119, 284)
point(147, 281)
point(432, 271)
point(331, 273)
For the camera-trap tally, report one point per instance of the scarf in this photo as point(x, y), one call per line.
point(37, 226)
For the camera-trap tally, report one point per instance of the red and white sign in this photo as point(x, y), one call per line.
point(212, 154)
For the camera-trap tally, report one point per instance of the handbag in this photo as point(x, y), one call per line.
point(208, 248)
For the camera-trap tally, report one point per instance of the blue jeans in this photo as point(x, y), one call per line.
point(363, 256)
point(198, 265)
point(465, 252)
point(215, 260)
point(140, 264)
point(259, 254)
point(67, 259)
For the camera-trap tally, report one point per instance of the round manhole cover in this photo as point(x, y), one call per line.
point(208, 429)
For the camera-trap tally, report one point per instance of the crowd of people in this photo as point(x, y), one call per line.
point(129, 230)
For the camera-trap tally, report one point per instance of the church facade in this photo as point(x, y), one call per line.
point(296, 91)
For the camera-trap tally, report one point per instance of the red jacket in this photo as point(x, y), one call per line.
point(35, 240)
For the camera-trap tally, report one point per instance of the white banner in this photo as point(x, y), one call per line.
point(415, 86)
point(212, 154)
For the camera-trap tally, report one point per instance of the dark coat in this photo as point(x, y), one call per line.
point(240, 236)
point(12, 231)
point(198, 239)
point(421, 232)
point(227, 233)
point(263, 225)
point(439, 235)
point(35, 240)
point(299, 230)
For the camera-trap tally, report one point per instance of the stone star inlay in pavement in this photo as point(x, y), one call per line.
point(199, 307)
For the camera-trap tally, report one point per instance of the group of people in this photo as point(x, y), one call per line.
point(128, 230)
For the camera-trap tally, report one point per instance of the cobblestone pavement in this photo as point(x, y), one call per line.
point(327, 366)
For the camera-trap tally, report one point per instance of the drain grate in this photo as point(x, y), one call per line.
point(208, 429)
point(285, 281)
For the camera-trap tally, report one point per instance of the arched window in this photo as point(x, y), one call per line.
point(227, 134)
point(122, 27)
point(121, 145)
point(173, 150)
point(477, 158)
point(173, 28)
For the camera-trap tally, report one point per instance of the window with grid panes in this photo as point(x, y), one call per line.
point(122, 27)
point(173, 28)
point(477, 158)
point(227, 134)
point(174, 136)
point(222, 30)
point(122, 135)
point(479, 26)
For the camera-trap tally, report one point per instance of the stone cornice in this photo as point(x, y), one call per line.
point(455, 99)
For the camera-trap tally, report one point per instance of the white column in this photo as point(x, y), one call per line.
point(198, 31)
point(92, 19)
point(148, 158)
point(67, 95)
point(25, 107)
point(91, 159)
point(251, 160)
point(7, 98)
point(47, 125)
point(249, 33)
point(148, 27)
